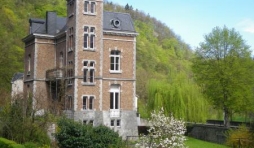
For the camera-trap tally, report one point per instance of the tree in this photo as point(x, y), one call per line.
point(127, 7)
point(21, 122)
point(165, 131)
point(224, 69)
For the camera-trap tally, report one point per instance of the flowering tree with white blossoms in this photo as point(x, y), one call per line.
point(165, 132)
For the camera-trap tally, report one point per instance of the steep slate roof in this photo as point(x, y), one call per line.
point(124, 19)
point(17, 76)
point(41, 26)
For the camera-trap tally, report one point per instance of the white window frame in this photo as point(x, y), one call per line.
point(114, 122)
point(89, 7)
point(115, 89)
point(118, 120)
point(88, 106)
point(115, 64)
point(90, 67)
point(89, 38)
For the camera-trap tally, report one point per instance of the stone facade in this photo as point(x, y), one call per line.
point(86, 63)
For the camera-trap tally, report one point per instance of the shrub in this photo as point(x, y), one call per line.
point(105, 137)
point(74, 134)
point(240, 137)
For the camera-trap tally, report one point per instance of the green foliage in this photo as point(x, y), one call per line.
point(240, 137)
point(180, 98)
point(164, 75)
point(5, 143)
point(75, 134)
point(14, 26)
point(21, 125)
point(103, 136)
point(224, 69)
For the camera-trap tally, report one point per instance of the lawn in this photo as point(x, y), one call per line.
point(195, 143)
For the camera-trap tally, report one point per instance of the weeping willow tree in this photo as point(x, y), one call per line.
point(181, 97)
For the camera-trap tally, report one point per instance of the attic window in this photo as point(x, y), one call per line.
point(116, 23)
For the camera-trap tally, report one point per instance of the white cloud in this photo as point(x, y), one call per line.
point(247, 25)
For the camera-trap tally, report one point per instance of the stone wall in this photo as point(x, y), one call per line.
point(215, 134)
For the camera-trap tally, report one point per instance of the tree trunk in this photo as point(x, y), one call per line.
point(226, 117)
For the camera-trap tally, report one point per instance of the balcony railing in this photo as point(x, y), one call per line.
point(115, 113)
point(55, 73)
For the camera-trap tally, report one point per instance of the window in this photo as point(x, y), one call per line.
point(70, 72)
point(29, 64)
point(86, 4)
point(86, 41)
point(89, 7)
point(89, 71)
point(89, 38)
point(88, 102)
point(71, 39)
point(92, 7)
point(112, 122)
point(115, 61)
point(91, 122)
point(115, 97)
point(118, 122)
point(61, 60)
point(69, 103)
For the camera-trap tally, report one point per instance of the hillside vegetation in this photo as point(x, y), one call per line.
point(164, 77)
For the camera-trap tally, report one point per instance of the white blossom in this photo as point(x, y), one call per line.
point(165, 132)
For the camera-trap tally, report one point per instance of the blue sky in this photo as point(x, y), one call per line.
point(192, 19)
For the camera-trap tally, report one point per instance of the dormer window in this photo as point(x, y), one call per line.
point(115, 23)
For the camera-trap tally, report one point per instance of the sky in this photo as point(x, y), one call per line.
point(192, 19)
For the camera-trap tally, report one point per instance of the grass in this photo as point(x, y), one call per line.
point(195, 143)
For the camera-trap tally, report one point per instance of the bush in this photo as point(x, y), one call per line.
point(105, 137)
point(240, 137)
point(74, 134)
point(5, 143)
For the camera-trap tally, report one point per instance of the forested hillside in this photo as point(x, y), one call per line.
point(164, 77)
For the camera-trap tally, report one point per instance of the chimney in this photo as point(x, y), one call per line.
point(51, 22)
